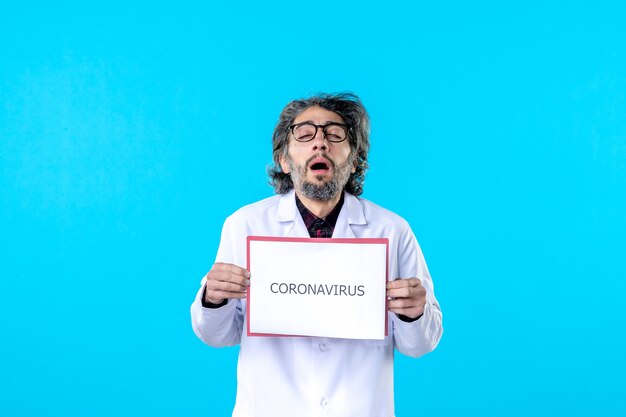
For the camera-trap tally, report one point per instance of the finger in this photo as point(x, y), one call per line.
point(404, 282)
point(398, 283)
point(403, 292)
point(234, 269)
point(215, 285)
point(227, 276)
point(221, 295)
point(401, 283)
point(412, 292)
point(403, 303)
point(415, 282)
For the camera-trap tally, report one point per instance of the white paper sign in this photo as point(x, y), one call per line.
point(317, 287)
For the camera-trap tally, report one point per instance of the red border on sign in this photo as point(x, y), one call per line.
point(361, 241)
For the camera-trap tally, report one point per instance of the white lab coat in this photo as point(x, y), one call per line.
point(314, 376)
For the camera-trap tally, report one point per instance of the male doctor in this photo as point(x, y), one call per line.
point(320, 157)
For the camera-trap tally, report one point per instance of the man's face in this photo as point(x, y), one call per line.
point(319, 168)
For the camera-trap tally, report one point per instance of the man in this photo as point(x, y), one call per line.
point(320, 158)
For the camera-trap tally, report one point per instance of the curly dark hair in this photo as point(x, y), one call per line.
point(353, 113)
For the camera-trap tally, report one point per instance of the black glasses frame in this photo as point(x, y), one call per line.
point(345, 126)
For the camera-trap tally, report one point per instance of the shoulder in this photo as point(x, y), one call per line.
point(381, 222)
point(257, 209)
point(377, 214)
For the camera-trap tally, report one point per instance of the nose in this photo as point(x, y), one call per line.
point(319, 141)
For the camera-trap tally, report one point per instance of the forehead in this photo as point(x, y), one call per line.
point(318, 115)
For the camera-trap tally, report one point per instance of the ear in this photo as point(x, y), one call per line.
point(284, 165)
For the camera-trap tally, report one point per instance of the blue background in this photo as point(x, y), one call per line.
point(128, 132)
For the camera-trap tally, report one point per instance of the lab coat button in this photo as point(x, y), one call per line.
point(325, 403)
point(323, 346)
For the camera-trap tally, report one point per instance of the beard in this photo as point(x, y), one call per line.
point(326, 190)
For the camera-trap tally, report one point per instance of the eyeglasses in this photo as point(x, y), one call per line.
point(306, 131)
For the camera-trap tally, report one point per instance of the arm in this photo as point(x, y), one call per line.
point(216, 313)
point(419, 328)
point(216, 327)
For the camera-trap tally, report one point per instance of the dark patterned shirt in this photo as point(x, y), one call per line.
point(317, 226)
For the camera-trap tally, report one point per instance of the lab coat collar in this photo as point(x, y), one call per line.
point(351, 214)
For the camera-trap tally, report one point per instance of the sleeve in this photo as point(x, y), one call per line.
point(420, 336)
point(221, 326)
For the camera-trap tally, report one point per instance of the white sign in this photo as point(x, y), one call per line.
point(317, 287)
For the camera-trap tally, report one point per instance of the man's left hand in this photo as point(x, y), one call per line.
point(406, 297)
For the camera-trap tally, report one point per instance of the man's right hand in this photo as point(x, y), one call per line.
point(226, 281)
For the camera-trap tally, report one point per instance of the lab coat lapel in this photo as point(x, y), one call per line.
point(289, 217)
point(351, 215)
point(293, 226)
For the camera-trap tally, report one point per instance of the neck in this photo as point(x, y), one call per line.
point(321, 208)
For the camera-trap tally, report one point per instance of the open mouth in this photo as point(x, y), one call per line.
point(319, 165)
